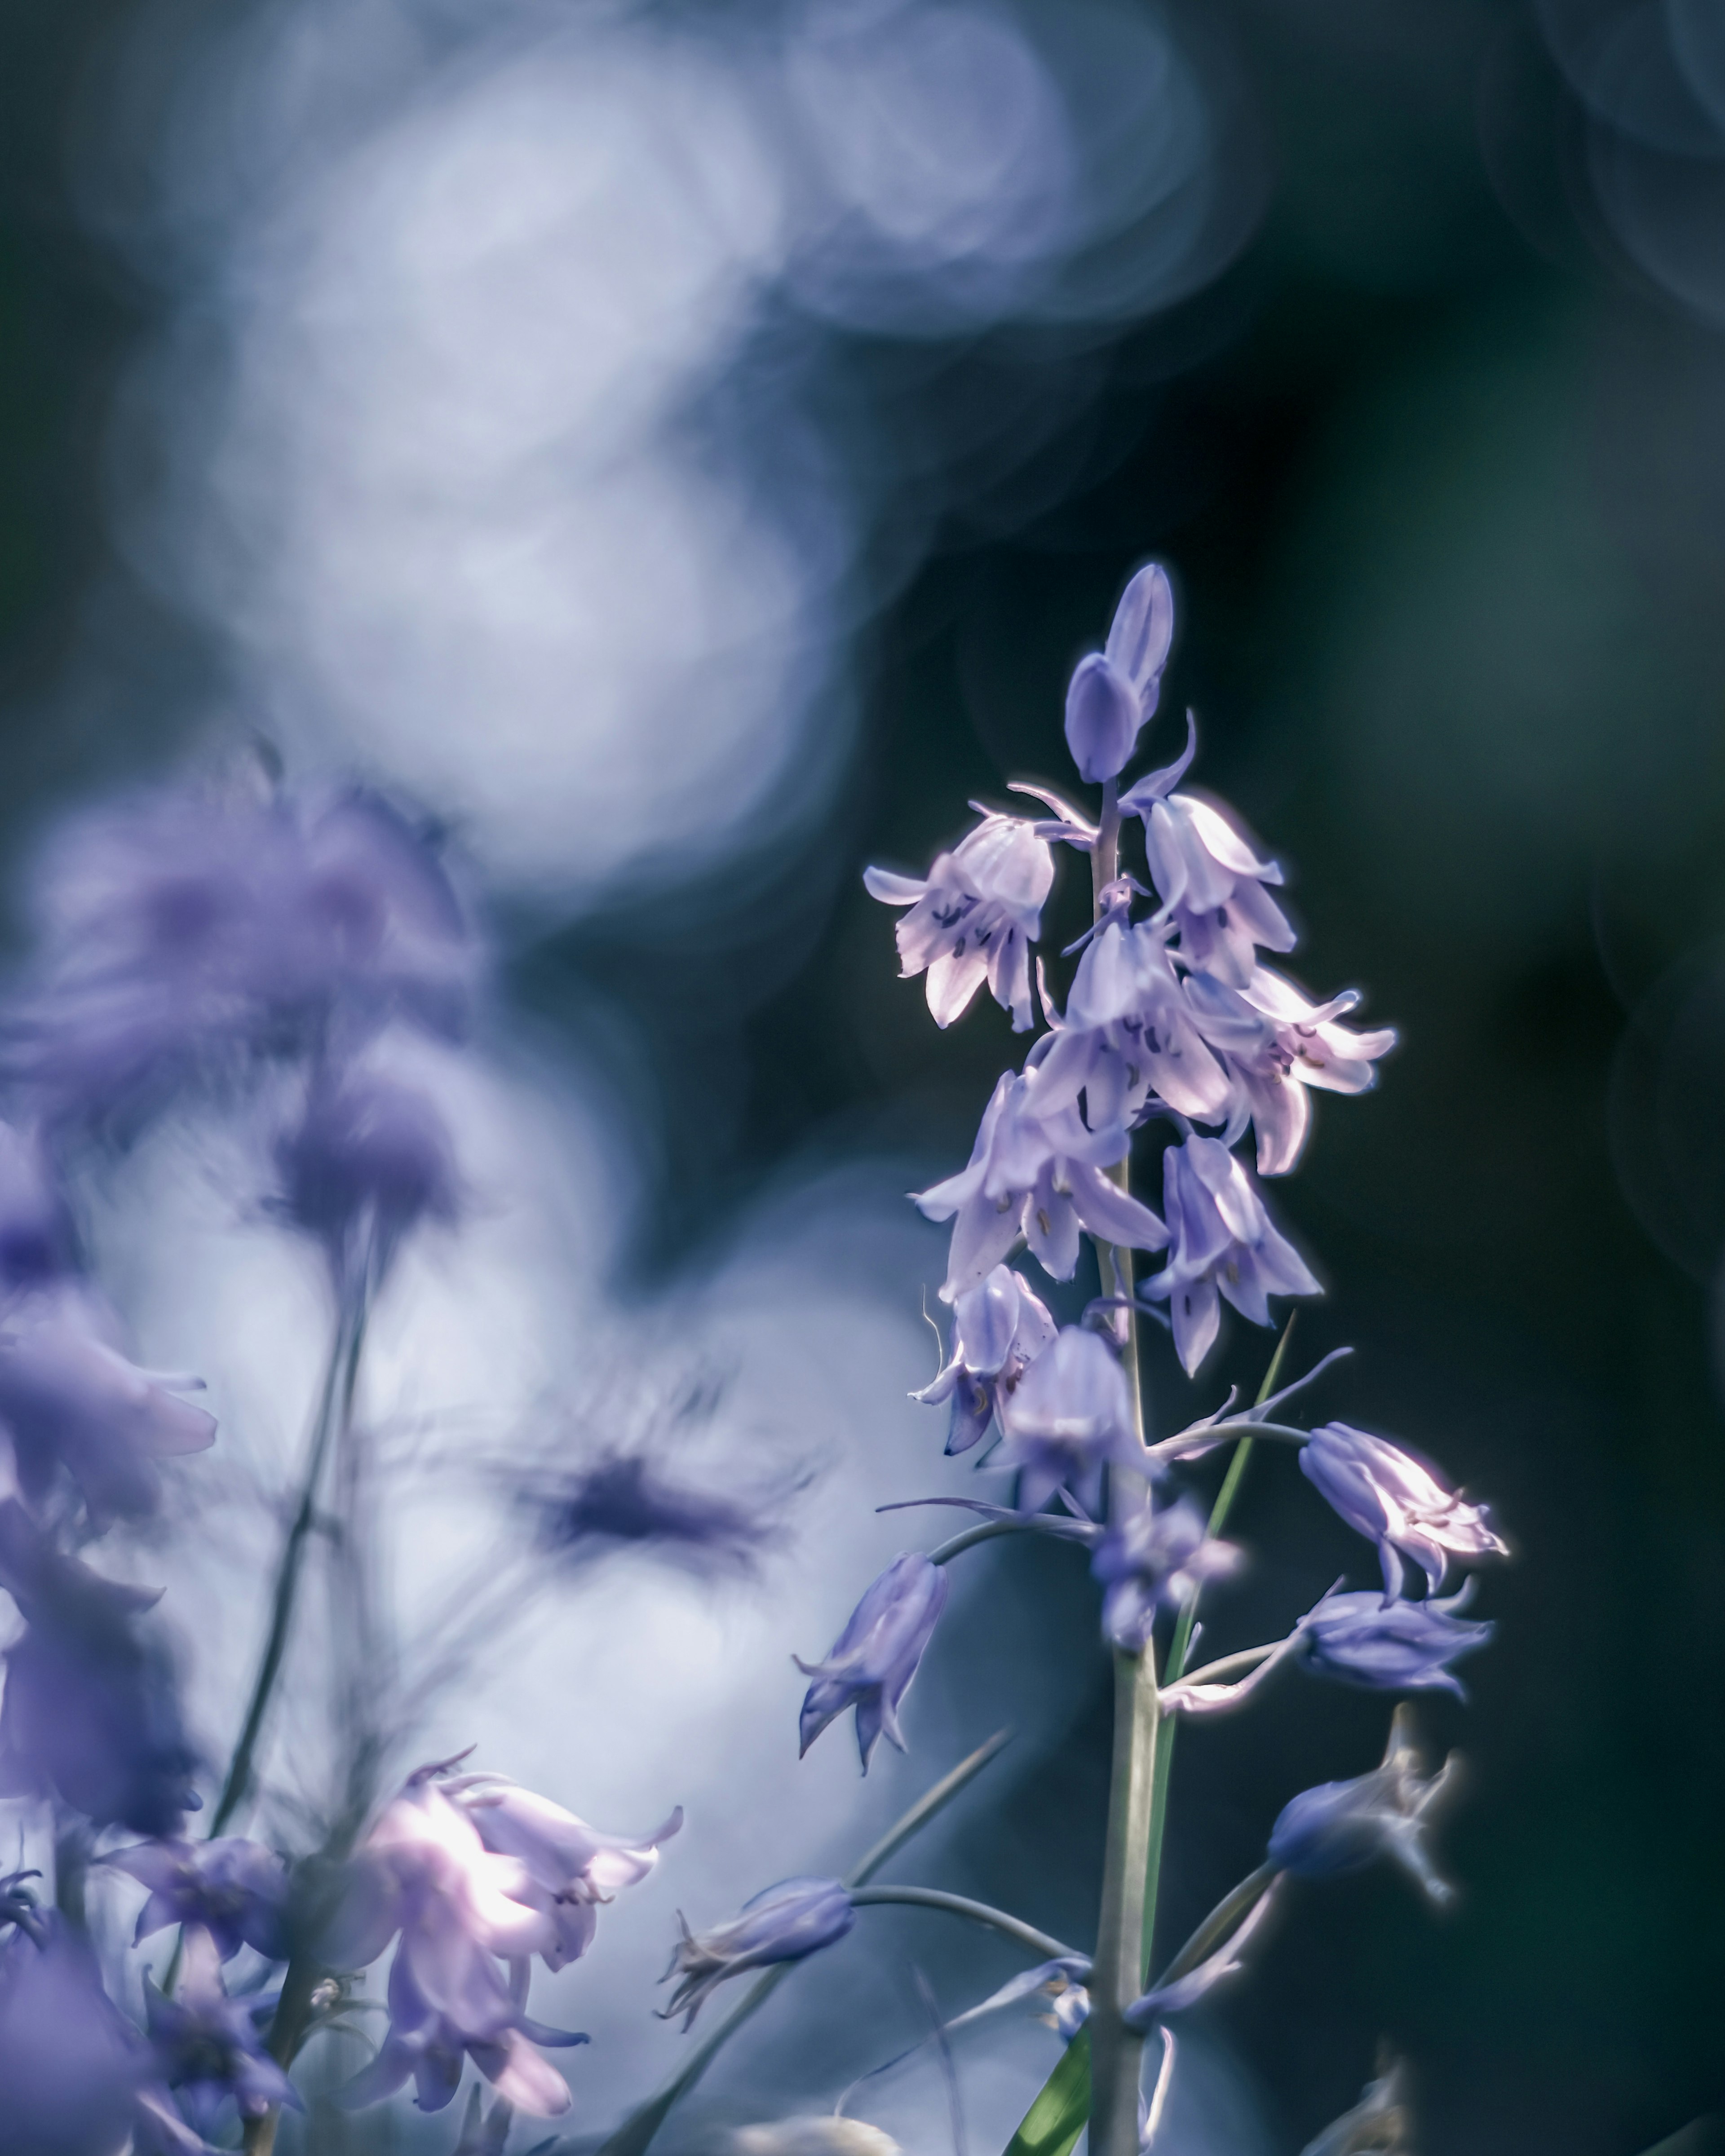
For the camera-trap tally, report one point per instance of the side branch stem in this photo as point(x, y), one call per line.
point(978, 1913)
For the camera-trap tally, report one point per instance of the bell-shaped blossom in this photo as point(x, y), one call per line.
point(234, 1890)
point(999, 1328)
point(629, 1499)
point(206, 2047)
point(573, 1868)
point(1038, 1175)
point(973, 917)
point(1129, 1033)
point(1277, 1043)
point(1223, 1244)
point(71, 1403)
point(1395, 1501)
point(71, 2068)
point(1070, 1417)
point(1360, 1638)
point(369, 1158)
point(1342, 1827)
point(1212, 885)
point(89, 1712)
point(786, 1923)
point(1113, 692)
point(874, 1659)
point(1155, 1556)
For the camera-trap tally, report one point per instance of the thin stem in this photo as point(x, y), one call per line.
point(978, 1913)
point(1120, 1932)
point(1247, 1658)
point(1235, 1906)
point(988, 1531)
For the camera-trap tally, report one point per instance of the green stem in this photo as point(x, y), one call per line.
point(1116, 1978)
point(1229, 1914)
point(978, 1912)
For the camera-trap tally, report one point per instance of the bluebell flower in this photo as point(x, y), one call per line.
point(1038, 1175)
point(235, 1890)
point(1277, 1043)
point(89, 1712)
point(206, 2047)
point(786, 1923)
point(1129, 1032)
point(1155, 1557)
point(71, 1404)
point(571, 1868)
point(1379, 2123)
point(1113, 692)
point(1391, 1646)
point(1223, 1244)
point(1342, 1827)
point(368, 1158)
point(1071, 1416)
point(1395, 1501)
point(71, 2068)
point(999, 1328)
point(627, 1500)
point(973, 917)
point(873, 1660)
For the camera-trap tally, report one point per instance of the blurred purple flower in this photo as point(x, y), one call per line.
point(973, 917)
point(1212, 883)
point(1129, 1032)
point(1071, 1414)
point(1155, 1558)
point(206, 2047)
point(369, 1158)
point(1395, 1501)
point(1392, 1647)
point(70, 1400)
point(71, 2067)
point(1038, 1175)
point(235, 1890)
point(796, 1917)
point(999, 1328)
point(1342, 1827)
point(874, 1659)
point(90, 1710)
point(1114, 692)
point(35, 1229)
point(626, 1500)
point(571, 1866)
point(1225, 1244)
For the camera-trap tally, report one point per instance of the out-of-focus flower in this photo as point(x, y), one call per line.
point(90, 1710)
point(824, 2135)
point(626, 1500)
point(973, 917)
point(1175, 1995)
point(235, 1890)
point(1212, 883)
point(71, 2068)
point(458, 1907)
point(1390, 1646)
point(18, 1906)
point(786, 1923)
point(1380, 2124)
point(572, 1866)
point(1071, 1414)
point(1223, 1244)
point(1395, 1501)
point(999, 1328)
point(874, 1659)
point(1061, 1982)
point(1277, 1043)
point(1114, 692)
point(70, 1401)
point(1040, 1176)
point(1128, 1032)
point(192, 931)
point(35, 1231)
point(1342, 1827)
point(206, 2046)
point(369, 1157)
point(1153, 1559)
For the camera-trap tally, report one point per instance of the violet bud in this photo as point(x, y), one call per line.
point(874, 1659)
point(1114, 692)
point(973, 917)
point(1360, 1638)
point(786, 1922)
point(1343, 1826)
point(1394, 1499)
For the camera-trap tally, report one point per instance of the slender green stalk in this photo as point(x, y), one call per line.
point(1235, 1905)
point(1116, 1978)
point(978, 1912)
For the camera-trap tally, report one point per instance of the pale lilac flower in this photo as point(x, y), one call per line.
point(1212, 883)
point(1379, 2122)
point(1155, 1557)
point(999, 1328)
point(1129, 1032)
point(1225, 1244)
point(573, 1868)
point(70, 1401)
point(71, 2067)
point(1340, 1826)
point(973, 917)
point(1395, 1501)
point(872, 1662)
point(786, 1923)
point(1040, 1176)
point(1391, 1646)
point(235, 1890)
point(1184, 1991)
point(1114, 692)
point(1071, 1416)
point(368, 1158)
point(206, 2047)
